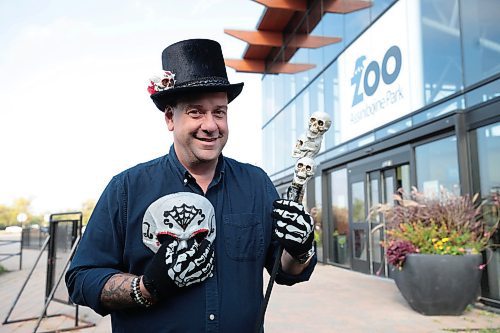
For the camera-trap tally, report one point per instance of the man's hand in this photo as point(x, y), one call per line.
point(294, 227)
point(170, 269)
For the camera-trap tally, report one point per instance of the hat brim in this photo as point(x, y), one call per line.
point(165, 97)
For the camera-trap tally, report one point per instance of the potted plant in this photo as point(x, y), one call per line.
point(434, 245)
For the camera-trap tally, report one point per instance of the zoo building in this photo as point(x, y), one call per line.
point(413, 91)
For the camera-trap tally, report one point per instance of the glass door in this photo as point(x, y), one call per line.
point(357, 220)
point(372, 182)
point(375, 192)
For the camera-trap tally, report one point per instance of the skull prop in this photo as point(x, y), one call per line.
point(319, 123)
point(307, 147)
point(183, 216)
point(304, 170)
point(298, 148)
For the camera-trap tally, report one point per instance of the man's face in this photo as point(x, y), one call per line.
point(199, 125)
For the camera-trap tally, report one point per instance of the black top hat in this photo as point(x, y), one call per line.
point(193, 65)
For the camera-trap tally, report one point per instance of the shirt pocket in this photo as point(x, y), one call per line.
point(243, 237)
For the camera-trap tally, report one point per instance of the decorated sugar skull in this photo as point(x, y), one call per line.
point(319, 123)
point(183, 216)
point(304, 170)
point(164, 81)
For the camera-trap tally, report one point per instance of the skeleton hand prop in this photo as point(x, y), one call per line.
point(294, 227)
point(172, 268)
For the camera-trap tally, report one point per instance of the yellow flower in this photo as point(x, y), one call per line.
point(444, 240)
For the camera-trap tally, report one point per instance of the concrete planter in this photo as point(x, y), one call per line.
point(439, 284)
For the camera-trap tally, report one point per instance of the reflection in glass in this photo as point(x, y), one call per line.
point(389, 190)
point(488, 149)
point(376, 247)
point(333, 27)
point(437, 165)
point(403, 179)
point(483, 93)
point(393, 129)
point(360, 244)
point(358, 202)
point(355, 23)
point(373, 195)
point(339, 245)
point(374, 200)
point(439, 110)
point(442, 58)
point(331, 94)
point(378, 7)
point(317, 215)
point(481, 39)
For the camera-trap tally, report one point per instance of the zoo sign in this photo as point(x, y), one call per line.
point(375, 72)
point(361, 76)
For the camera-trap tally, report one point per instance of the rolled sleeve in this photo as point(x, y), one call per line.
point(86, 287)
point(99, 253)
point(289, 279)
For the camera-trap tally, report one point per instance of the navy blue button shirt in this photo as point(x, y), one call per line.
point(242, 196)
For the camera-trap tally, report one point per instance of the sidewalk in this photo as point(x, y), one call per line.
point(335, 300)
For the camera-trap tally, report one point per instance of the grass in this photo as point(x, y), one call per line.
point(2, 270)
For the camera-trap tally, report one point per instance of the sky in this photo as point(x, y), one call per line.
point(74, 109)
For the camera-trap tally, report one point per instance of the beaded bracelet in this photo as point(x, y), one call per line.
point(136, 293)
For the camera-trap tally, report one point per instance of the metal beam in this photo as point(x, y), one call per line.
point(345, 6)
point(276, 39)
point(259, 66)
point(297, 5)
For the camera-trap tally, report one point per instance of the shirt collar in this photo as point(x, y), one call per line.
point(184, 173)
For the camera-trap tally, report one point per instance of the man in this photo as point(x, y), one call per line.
point(178, 244)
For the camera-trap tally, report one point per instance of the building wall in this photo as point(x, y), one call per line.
point(442, 130)
point(459, 48)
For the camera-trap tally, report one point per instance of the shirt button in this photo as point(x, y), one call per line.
point(185, 181)
point(212, 316)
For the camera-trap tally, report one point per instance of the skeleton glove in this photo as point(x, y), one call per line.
point(171, 268)
point(294, 227)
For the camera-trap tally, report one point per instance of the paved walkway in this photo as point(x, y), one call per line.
point(335, 300)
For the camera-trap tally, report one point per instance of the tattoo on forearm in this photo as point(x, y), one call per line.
point(115, 294)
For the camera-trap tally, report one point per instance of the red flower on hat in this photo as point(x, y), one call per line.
point(161, 82)
point(151, 88)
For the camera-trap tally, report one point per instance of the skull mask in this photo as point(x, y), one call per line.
point(183, 216)
point(304, 170)
point(319, 123)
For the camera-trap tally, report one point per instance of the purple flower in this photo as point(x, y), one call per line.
point(397, 250)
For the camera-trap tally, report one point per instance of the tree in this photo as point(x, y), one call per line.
point(8, 214)
point(87, 209)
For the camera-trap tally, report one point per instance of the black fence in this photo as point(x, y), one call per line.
point(64, 234)
point(64, 229)
point(8, 250)
point(33, 238)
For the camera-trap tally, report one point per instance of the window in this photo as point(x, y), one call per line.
point(481, 39)
point(339, 222)
point(488, 150)
point(442, 59)
point(437, 165)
